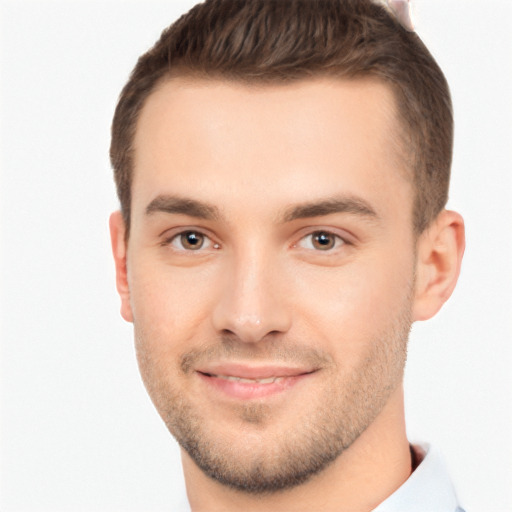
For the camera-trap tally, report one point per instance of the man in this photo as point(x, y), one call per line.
point(283, 169)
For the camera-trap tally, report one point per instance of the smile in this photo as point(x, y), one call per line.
point(246, 383)
point(266, 380)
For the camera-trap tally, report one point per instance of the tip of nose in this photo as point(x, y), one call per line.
point(251, 328)
point(248, 320)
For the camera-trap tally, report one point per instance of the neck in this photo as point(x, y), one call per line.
point(363, 476)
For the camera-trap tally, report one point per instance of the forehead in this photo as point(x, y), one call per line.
point(284, 142)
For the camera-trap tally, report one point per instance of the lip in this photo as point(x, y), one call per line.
point(249, 382)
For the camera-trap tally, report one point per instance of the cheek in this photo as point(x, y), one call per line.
point(169, 318)
point(169, 306)
point(354, 306)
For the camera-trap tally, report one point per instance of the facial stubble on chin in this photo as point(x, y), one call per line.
point(322, 430)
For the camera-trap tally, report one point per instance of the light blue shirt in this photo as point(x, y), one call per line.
point(428, 489)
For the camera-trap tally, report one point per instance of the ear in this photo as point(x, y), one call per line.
point(439, 257)
point(119, 246)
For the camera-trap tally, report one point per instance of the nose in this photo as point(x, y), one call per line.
point(252, 303)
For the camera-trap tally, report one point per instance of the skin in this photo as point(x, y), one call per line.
point(265, 169)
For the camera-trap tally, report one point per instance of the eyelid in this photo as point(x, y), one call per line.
point(338, 242)
point(169, 235)
point(346, 237)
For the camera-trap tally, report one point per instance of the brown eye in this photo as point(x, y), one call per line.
point(192, 240)
point(323, 241)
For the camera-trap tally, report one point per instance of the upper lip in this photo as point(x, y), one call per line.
point(245, 371)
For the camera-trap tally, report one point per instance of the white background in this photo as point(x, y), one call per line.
point(78, 432)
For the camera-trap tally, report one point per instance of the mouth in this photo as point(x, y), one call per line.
point(232, 378)
point(245, 382)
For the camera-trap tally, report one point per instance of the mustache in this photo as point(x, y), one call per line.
point(271, 351)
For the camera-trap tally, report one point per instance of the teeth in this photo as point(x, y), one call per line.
point(268, 380)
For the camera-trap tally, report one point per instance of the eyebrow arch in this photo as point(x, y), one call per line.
point(352, 205)
point(184, 206)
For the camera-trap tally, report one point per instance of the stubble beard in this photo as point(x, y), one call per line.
point(347, 405)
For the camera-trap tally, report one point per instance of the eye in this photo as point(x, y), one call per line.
point(190, 241)
point(321, 241)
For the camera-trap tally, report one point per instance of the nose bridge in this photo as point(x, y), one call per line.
point(250, 303)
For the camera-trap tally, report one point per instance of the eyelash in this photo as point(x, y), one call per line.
point(179, 236)
point(338, 242)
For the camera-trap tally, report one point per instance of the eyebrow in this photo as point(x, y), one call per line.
point(329, 206)
point(183, 206)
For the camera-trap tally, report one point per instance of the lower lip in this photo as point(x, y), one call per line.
point(249, 390)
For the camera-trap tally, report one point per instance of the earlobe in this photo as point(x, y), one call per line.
point(439, 257)
point(119, 250)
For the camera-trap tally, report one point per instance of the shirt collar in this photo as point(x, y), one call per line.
point(428, 488)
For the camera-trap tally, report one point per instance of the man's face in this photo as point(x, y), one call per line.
point(271, 271)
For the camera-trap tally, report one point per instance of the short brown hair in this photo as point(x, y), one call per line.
point(285, 40)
